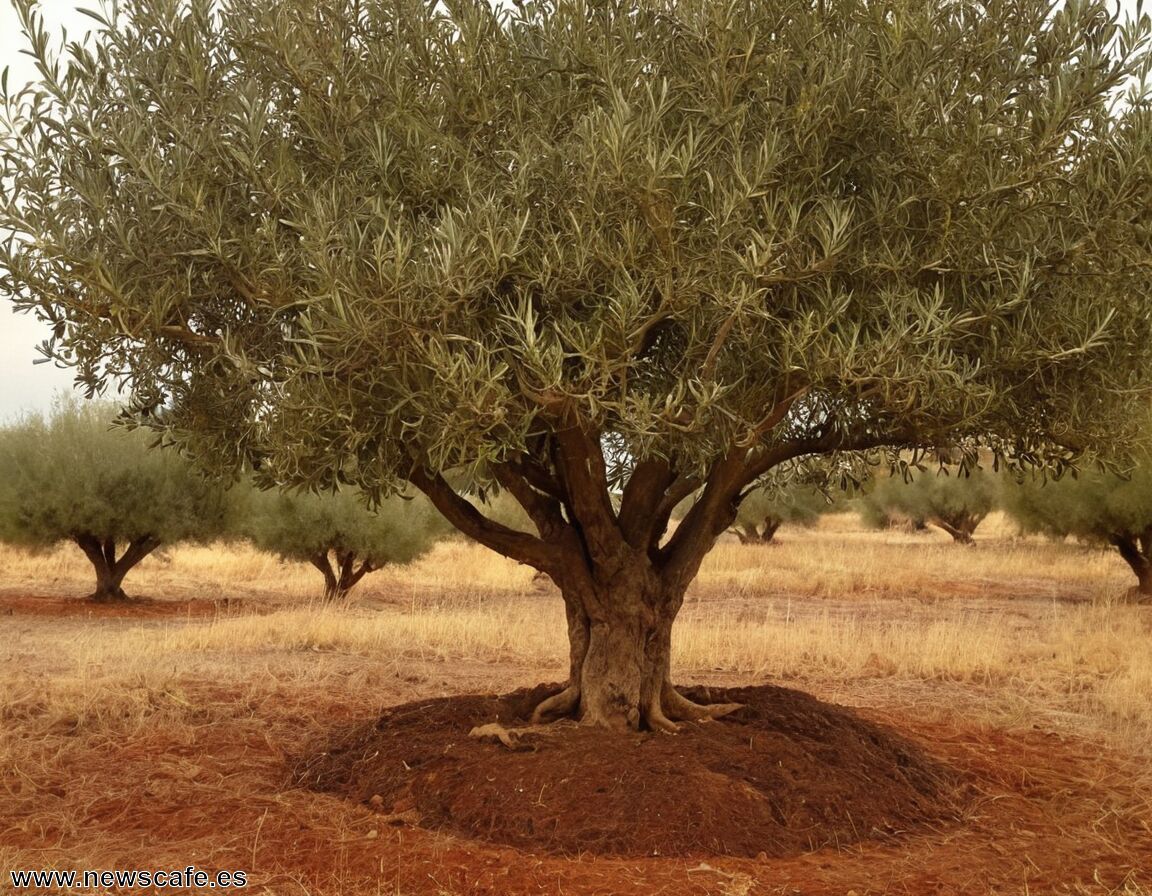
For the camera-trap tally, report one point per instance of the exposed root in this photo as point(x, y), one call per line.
point(657, 720)
point(513, 738)
point(510, 737)
point(561, 704)
point(679, 707)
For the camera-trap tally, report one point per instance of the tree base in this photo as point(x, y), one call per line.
point(783, 775)
point(109, 597)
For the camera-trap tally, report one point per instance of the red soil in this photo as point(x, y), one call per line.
point(133, 608)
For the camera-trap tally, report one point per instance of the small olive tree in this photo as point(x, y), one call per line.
point(1096, 506)
point(76, 477)
point(765, 510)
point(955, 500)
point(339, 534)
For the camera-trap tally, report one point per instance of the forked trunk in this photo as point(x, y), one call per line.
point(111, 570)
point(341, 574)
point(961, 526)
point(762, 534)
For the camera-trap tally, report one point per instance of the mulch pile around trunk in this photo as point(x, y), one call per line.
point(784, 775)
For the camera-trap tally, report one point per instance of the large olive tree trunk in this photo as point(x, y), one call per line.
point(110, 569)
point(620, 652)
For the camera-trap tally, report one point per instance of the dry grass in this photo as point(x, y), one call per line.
point(1029, 619)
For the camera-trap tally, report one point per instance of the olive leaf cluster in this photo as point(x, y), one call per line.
point(348, 238)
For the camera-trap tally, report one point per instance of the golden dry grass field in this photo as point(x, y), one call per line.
point(160, 735)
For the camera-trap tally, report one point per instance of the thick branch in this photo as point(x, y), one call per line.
point(94, 550)
point(355, 573)
point(584, 476)
point(460, 513)
point(321, 562)
point(1129, 549)
point(642, 497)
point(137, 550)
point(537, 476)
point(542, 509)
point(713, 512)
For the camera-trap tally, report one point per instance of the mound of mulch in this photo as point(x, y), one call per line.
point(784, 775)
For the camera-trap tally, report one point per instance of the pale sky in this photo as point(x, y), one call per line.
point(23, 385)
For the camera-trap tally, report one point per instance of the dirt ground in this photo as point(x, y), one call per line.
point(222, 771)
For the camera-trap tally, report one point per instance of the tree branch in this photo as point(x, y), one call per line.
point(643, 493)
point(584, 477)
point(460, 513)
point(712, 513)
point(542, 509)
point(137, 550)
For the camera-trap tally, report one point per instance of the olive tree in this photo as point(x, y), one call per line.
point(567, 249)
point(76, 477)
point(764, 510)
point(953, 499)
point(1097, 506)
point(339, 534)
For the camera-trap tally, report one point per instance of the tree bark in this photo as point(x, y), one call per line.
point(1136, 549)
point(961, 526)
point(343, 575)
point(620, 651)
point(110, 570)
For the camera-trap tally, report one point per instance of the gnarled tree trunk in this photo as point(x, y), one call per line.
point(340, 576)
point(110, 570)
point(620, 652)
point(1136, 549)
point(961, 525)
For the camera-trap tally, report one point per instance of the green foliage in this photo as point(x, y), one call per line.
point(1093, 505)
point(304, 526)
point(954, 499)
point(350, 237)
point(75, 473)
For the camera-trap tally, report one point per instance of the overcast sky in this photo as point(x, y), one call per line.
point(24, 385)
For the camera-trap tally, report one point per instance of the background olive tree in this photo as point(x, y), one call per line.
point(571, 249)
point(339, 534)
point(955, 500)
point(1099, 507)
point(764, 510)
point(76, 477)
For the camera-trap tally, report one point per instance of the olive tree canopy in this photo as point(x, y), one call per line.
point(577, 248)
point(954, 499)
point(763, 510)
